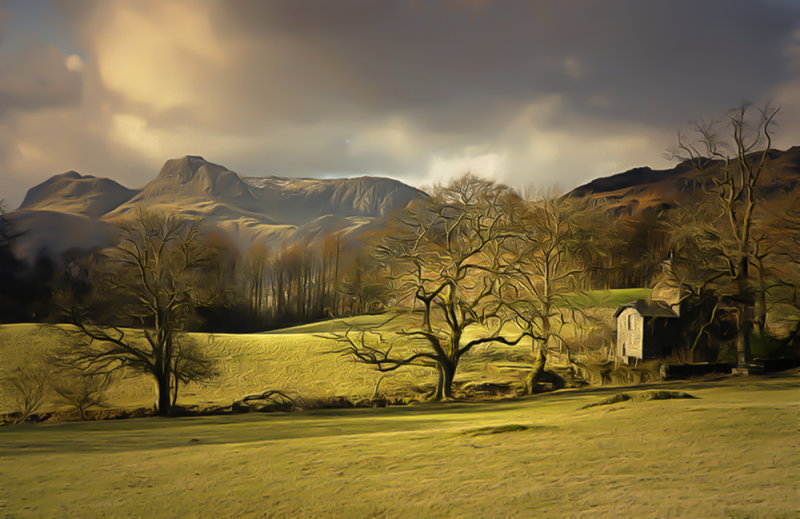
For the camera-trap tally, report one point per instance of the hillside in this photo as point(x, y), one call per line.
point(637, 189)
point(75, 211)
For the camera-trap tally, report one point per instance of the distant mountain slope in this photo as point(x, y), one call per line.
point(273, 209)
point(640, 188)
point(74, 193)
point(76, 211)
point(55, 232)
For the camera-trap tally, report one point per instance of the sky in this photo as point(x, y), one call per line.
point(544, 94)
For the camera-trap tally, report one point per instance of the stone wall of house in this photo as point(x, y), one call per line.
point(630, 334)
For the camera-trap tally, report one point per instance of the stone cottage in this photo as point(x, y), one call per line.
point(646, 330)
point(650, 328)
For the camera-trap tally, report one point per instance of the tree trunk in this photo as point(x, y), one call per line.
point(743, 337)
point(444, 385)
point(539, 361)
point(745, 313)
point(164, 404)
point(175, 393)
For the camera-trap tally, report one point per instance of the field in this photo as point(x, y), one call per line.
point(732, 452)
point(295, 360)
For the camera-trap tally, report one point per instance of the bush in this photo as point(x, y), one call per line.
point(80, 391)
point(27, 387)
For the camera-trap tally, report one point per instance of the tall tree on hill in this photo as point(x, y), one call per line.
point(152, 279)
point(724, 235)
point(447, 265)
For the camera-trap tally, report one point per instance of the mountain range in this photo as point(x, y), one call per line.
point(74, 211)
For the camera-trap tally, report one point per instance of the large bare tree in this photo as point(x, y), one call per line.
point(735, 165)
point(152, 280)
point(545, 272)
point(444, 259)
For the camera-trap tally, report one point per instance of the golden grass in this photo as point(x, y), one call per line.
point(294, 360)
point(732, 452)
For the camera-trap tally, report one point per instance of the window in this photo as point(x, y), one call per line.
point(630, 320)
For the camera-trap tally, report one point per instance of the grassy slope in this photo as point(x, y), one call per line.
point(610, 298)
point(733, 452)
point(294, 360)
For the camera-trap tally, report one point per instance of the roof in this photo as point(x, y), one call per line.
point(648, 308)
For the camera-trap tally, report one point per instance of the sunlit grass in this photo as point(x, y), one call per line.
point(731, 452)
point(609, 298)
point(298, 360)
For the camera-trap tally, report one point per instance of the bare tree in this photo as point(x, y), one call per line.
point(546, 241)
point(445, 260)
point(734, 167)
point(152, 279)
point(364, 286)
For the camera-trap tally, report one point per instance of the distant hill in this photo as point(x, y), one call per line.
point(637, 189)
point(74, 193)
point(83, 212)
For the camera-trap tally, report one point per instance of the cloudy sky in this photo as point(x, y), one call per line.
point(529, 93)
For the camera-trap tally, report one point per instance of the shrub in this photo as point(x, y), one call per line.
point(27, 387)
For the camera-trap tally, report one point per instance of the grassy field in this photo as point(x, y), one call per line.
point(295, 360)
point(732, 452)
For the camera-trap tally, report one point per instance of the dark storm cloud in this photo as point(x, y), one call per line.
point(37, 78)
point(451, 65)
point(523, 91)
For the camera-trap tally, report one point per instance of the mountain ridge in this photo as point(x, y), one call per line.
point(280, 210)
point(641, 188)
point(274, 209)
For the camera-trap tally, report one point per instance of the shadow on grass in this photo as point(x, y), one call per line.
point(154, 433)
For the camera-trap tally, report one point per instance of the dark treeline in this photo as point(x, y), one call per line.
point(296, 283)
point(256, 289)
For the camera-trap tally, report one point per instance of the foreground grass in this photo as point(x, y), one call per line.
point(733, 452)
